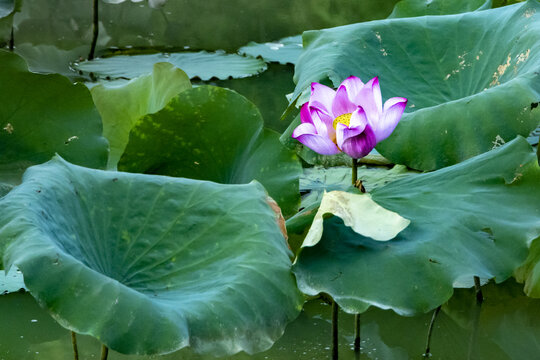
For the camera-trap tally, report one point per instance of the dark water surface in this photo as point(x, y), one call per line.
point(505, 327)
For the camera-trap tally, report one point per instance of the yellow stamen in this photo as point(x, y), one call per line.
point(342, 119)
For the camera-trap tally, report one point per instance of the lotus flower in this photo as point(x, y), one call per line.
point(351, 119)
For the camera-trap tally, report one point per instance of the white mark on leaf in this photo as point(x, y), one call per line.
point(9, 128)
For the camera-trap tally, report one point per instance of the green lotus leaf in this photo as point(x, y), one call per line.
point(6, 7)
point(203, 65)
point(283, 51)
point(151, 264)
point(411, 8)
point(211, 133)
point(472, 79)
point(42, 115)
point(152, 3)
point(121, 106)
point(464, 223)
point(12, 282)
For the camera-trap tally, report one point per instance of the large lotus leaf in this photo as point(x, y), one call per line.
point(475, 218)
point(42, 115)
point(151, 264)
point(411, 8)
point(203, 65)
point(214, 134)
point(472, 79)
point(283, 51)
point(120, 107)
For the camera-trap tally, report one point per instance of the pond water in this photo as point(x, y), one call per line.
point(503, 327)
point(52, 34)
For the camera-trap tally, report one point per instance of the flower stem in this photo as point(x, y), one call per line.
point(335, 310)
point(357, 332)
point(478, 289)
point(95, 30)
point(74, 343)
point(104, 352)
point(11, 40)
point(427, 354)
point(354, 171)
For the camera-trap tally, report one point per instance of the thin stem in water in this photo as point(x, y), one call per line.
point(96, 30)
point(74, 343)
point(478, 289)
point(104, 352)
point(11, 40)
point(430, 332)
point(335, 310)
point(357, 332)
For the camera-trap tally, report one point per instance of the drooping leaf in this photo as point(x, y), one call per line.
point(121, 106)
point(474, 218)
point(203, 65)
point(283, 51)
point(214, 134)
point(42, 115)
point(471, 79)
point(151, 264)
point(360, 213)
point(411, 8)
point(315, 181)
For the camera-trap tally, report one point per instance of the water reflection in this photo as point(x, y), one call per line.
point(504, 327)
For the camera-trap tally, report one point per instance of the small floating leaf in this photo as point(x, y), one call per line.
point(203, 65)
point(283, 51)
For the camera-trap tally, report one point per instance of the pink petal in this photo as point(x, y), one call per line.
point(353, 85)
point(356, 126)
point(358, 119)
point(359, 146)
point(323, 122)
point(306, 134)
point(321, 97)
point(341, 104)
point(370, 99)
point(393, 110)
point(305, 115)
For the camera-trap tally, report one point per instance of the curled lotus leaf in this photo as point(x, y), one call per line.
point(151, 264)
